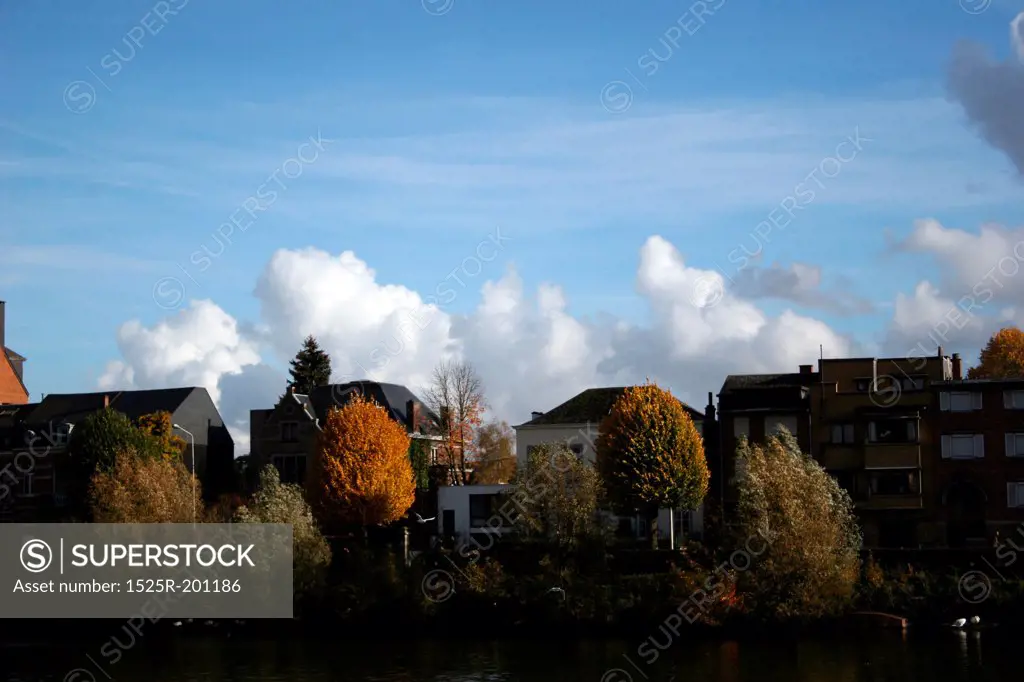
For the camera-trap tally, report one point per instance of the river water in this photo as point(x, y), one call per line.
point(874, 657)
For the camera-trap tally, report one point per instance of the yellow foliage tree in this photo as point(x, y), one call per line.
point(140, 489)
point(160, 428)
point(1002, 356)
point(361, 474)
point(650, 454)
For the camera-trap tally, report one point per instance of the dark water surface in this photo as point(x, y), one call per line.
point(932, 657)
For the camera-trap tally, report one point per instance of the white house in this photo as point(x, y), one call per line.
point(467, 509)
point(576, 422)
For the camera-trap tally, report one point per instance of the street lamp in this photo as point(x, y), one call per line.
point(192, 440)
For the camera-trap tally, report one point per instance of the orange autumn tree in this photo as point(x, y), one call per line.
point(1002, 356)
point(160, 428)
point(651, 455)
point(361, 474)
point(456, 397)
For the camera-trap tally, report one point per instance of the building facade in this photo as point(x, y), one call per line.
point(286, 434)
point(978, 461)
point(872, 432)
point(34, 439)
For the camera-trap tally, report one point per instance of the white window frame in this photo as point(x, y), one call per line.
point(1015, 444)
point(1013, 400)
point(970, 401)
point(977, 449)
point(785, 420)
point(1015, 494)
point(741, 426)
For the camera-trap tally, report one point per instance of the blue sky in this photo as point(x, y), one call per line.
point(117, 167)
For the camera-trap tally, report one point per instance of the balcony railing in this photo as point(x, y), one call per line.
point(888, 456)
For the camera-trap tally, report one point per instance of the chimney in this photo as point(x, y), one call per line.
point(534, 415)
point(957, 368)
point(807, 369)
point(412, 415)
point(940, 351)
point(709, 411)
point(3, 313)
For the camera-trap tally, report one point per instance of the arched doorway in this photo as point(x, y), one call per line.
point(965, 505)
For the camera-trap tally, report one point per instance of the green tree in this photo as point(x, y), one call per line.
point(799, 528)
point(310, 368)
point(95, 444)
point(559, 497)
point(276, 502)
point(650, 455)
point(419, 459)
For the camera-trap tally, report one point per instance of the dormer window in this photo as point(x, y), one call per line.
point(62, 434)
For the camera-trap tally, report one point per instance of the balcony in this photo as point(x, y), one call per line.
point(892, 455)
point(842, 457)
point(877, 501)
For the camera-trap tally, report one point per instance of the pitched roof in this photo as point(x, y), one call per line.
point(73, 406)
point(11, 357)
point(593, 405)
point(743, 382)
point(393, 397)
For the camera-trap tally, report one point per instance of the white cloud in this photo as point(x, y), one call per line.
point(532, 354)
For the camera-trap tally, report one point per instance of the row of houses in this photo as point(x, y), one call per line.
point(929, 459)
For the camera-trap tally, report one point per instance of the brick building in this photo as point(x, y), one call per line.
point(978, 461)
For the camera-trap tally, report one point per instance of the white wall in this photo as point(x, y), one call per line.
point(456, 498)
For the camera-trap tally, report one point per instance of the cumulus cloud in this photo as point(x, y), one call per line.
point(992, 93)
point(530, 351)
point(800, 283)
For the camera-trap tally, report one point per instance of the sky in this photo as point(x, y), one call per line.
point(564, 194)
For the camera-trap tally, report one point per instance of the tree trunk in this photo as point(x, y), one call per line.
point(652, 529)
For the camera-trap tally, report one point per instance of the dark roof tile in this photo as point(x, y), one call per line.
point(593, 405)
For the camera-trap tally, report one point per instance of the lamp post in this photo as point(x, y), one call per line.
point(192, 442)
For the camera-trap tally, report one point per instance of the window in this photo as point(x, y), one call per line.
point(787, 422)
point(892, 431)
point(842, 433)
point(291, 467)
point(1015, 445)
point(913, 383)
point(741, 426)
point(577, 449)
point(484, 510)
point(61, 434)
point(433, 454)
point(894, 483)
point(963, 446)
point(741, 469)
point(25, 484)
point(289, 432)
point(959, 401)
point(530, 449)
point(863, 385)
point(1015, 495)
point(1013, 400)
